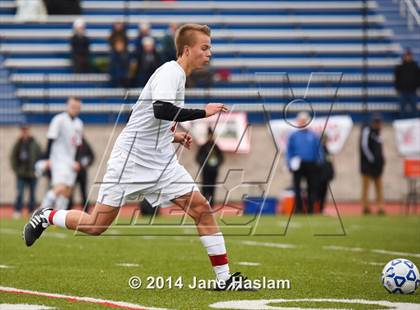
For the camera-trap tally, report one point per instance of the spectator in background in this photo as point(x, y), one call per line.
point(326, 173)
point(25, 153)
point(210, 158)
point(119, 64)
point(304, 154)
point(80, 47)
point(85, 157)
point(147, 63)
point(63, 7)
point(407, 80)
point(30, 10)
point(372, 162)
point(144, 31)
point(168, 51)
point(118, 34)
point(200, 78)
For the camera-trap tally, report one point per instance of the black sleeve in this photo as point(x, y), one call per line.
point(48, 151)
point(169, 112)
point(77, 155)
point(89, 153)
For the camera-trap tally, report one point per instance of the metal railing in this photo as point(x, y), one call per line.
point(410, 9)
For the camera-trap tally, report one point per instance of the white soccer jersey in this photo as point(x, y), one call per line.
point(149, 140)
point(67, 135)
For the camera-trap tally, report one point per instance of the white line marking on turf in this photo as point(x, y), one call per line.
point(269, 244)
point(265, 303)
point(380, 251)
point(342, 248)
point(291, 225)
point(376, 264)
point(56, 235)
point(368, 263)
point(148, 237)
point(24, 307)
point(5, 267)
point(9, 231)
point(97, 301)
point(248, 264)
point(127, 265)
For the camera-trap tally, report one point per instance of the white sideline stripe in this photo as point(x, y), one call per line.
point(56, 235)
point(342, 248)
point(9, 231)
point(6, 267)
point(378, 251)
point(127, 265)
point(248, 264)
point(264, 303)
point(24, 307)
point(291, 225)
point(103, 302)
point(269, 244)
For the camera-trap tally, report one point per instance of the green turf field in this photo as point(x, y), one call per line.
point(318, 257)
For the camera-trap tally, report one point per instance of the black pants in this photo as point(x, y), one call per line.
point(209, 184)
point(310, 172)
point(82, 181)
point(21, 184)
point(322, 194)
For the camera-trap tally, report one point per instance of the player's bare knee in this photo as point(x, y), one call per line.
point(200, 211)
point(96, 230)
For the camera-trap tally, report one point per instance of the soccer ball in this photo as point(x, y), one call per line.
point(400, 276)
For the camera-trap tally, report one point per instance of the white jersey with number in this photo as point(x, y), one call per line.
point(67, 135)
point(147, 139)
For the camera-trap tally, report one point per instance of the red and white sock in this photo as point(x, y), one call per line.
point(215, 245)
point(56, 217)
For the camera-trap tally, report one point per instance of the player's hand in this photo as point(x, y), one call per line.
point(213, 108)
point(47, 164)
point(76, 166)
point(183, 138)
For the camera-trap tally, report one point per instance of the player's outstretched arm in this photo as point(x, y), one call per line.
point(214, 108)
point(168, 111)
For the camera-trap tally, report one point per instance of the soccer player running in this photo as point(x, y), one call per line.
point(64, 136)
point(143, 160)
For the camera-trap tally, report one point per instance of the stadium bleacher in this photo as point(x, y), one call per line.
point(250, 39)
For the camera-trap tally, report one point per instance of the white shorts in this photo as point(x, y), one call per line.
point(63, 174)
point(125, 179)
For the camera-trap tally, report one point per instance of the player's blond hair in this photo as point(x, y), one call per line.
point(185, 36)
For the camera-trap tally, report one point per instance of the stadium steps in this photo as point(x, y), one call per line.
point(408, 38)
point(217, 49)
point(248, 37)
point(10, 109)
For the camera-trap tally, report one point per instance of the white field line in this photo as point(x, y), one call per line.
point(24, 307)
point(264, 303)
point(127, 265)
point(377, 251)
point(97, 301)
point(248, 264)
point(269, 244)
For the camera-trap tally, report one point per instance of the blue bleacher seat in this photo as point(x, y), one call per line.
point(250, 39)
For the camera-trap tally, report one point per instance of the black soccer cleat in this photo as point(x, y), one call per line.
point(35, 227)
point(236, 282)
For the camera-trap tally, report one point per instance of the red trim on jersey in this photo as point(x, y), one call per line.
point(218, 260)
point(50, 217)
